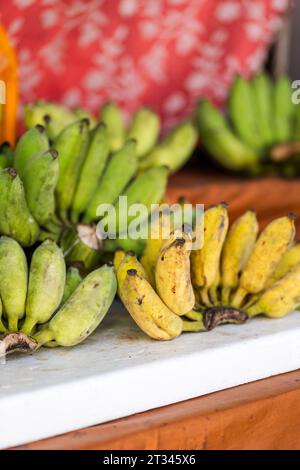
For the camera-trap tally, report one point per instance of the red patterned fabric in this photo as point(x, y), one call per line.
point(164, 53)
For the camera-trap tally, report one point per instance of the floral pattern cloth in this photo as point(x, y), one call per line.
point(162, 53)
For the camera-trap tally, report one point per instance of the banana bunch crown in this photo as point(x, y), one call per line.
point(261, 133)
point(43, 304)
point(236, 274)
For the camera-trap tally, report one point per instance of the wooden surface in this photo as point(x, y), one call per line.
point(260, 415)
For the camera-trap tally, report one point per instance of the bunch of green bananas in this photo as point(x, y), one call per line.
point(44, 305)
point(235, 275)
point(261, 132)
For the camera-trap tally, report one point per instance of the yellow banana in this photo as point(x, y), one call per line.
point(290, 258)
point(147, 309)
point(129, 261)
point(238, 246)
point(172, 273)
point(267, 252)
point(281, 298)
point(205, 261)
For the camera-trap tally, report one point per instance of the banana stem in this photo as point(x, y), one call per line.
point(194, 326)
point(194, 315)
point(254, 310)
point(43, 336)
point(2, 327)
point(13, 321)
point(205, 297)
point(28, 326)
point(225, 295)
point(238, 297)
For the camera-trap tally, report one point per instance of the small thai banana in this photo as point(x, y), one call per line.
point(73, 279)
point(205, 261)
point(15, 219)
point(262, 88)
point(71, 145)
point(129, 261)
point(245, 123)
point(221, 142)
point(112, 117)
point(174, 150)
point(40, 176)
point(290, 258)
point(119, 171)
point(172, 273)
point(283, 110)
point(55, 116)
point(144, 128)
point(266, 254)
point(31, 143)
point(84, 310)
point(119, 255)
point(147, 309)
point(91, 171)
point(238, 246)
point(13, 281)
point(281, 298)
point(47, 277)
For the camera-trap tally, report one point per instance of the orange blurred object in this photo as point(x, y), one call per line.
point(8, 89)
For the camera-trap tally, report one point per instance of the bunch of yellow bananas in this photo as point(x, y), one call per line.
point(236, 274)
point(262, 132)
point(44, 305)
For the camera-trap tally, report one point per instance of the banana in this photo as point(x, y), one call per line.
point(281, 298)
point(205, 261)
point(220, 141)
point(242, 112)
point(119, 255)
point(290, 258)
point(84, 310)
point(73, 279)
point(82, 256)
point(81, 113)
point(55, 116)
point(144, 128)
point(172, 273)
point(112, 117)
point(15, 219)
point(262, 88)
point(129, 261)
point(32, 142)
point(214, 290)
point(71, 145)
point(91, 172)
point(147, 189)
point(47, 277)
point(2, 326)
point(13, 281)
point(266, 254)
point(119, 171)
point(238, 246)
point(40, 176)
point(160, 229)
point(174, 150)
point(147, 309)
point(283, 110)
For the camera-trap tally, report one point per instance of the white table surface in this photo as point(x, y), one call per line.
point(119, 371)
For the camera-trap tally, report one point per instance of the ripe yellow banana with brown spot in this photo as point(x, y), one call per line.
point(267, 252)
point(238, 246)
point(281, 298)
point(172, 273)
point(129, 261)
point(205, 261)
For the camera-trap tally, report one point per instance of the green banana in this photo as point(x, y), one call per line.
point(54, 115)
point(144, 128)
point(283, 110)
point(73, 280)
point(221, 142)
point(262, 88)
point(148, 188)
point(15, 219)
point(40, 177)
point(13, 281)
point(81, 255)
point(47, 277)
point(91, 172)
point(119, 171)
point(84, 310)
point(71, 145)
point(242, 112)
point(112, 117)
point(32, 142)
point(174, 150)
point(81, 113)
point(2, 326)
